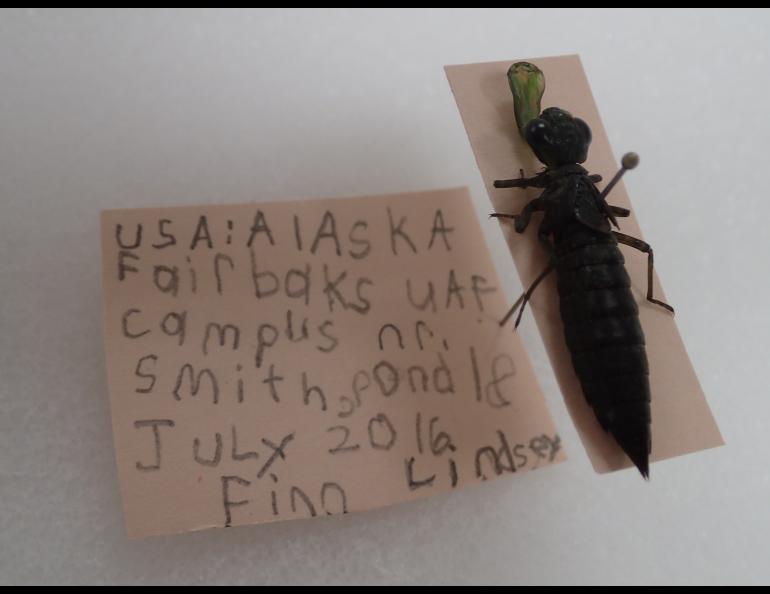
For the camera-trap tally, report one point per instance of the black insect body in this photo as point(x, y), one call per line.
point(599, 312)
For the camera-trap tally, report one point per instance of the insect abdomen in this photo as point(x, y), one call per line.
point(605, 338)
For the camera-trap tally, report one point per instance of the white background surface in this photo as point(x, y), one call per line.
point(122, 109)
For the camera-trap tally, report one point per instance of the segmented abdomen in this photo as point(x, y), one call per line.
point(605, 338)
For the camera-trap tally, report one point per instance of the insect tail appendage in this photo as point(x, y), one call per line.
point(627, 418)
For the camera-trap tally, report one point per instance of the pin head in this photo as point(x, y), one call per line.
point(630, 160)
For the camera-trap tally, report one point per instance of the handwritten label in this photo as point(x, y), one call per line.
point(299, 359)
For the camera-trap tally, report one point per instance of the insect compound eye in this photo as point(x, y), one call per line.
point(584, 130)
point(537, 131)
point(579, 151)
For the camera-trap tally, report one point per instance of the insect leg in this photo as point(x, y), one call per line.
point(524, 297)
point(522, 219)
point(619, 211)
point(526, 213)
point(646, 248)
point(519, 182)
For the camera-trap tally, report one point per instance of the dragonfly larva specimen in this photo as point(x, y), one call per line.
point(599, 312)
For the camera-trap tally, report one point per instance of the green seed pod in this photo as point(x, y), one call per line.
point(527, 86)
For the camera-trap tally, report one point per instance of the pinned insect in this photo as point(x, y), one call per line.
point(600, 315)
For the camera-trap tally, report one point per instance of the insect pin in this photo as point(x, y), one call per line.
point(600, 315)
